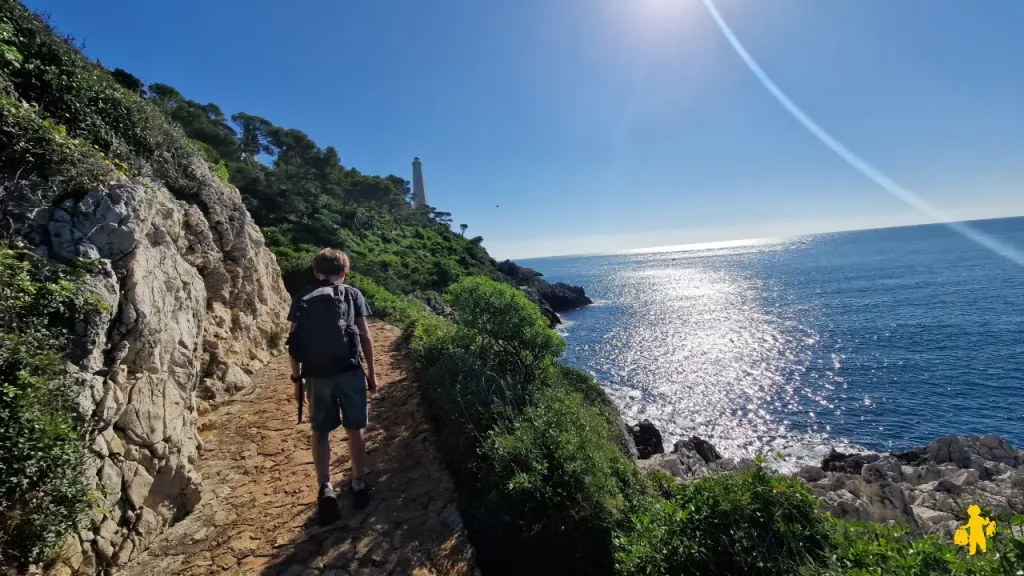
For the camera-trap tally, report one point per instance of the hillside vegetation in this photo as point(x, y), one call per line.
point(536, 448)
point(304, 198)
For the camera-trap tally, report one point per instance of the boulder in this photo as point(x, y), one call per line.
point(235, 380)
point(846, 463)
point(930, 520)
point(647, 439)
point(973, 451)
point(701, 447)
point(865, 501)
point(915, 457)
point(435, 303)
point(918, 475)
point(887, 468)
point(667, 463)
point(810, 474)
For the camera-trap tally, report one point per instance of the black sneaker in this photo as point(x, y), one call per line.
point(327, 506)
point(360, 497)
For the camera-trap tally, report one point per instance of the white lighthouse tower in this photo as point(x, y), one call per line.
point(419, 191)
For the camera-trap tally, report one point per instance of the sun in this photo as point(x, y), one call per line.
point(652, 18)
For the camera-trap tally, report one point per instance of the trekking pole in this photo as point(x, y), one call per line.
point(300, 395)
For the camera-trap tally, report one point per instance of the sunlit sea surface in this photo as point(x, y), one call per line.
point(880, 339)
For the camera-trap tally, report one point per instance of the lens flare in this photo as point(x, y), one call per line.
point(858, 163)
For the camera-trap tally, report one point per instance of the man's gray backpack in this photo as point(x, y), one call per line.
point(326, 339)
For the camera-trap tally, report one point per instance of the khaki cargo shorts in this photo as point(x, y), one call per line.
point(337, 401)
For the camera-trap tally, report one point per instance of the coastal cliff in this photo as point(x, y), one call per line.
point(552, 298)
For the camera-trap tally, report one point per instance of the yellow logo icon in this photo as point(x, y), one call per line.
point(973, 533)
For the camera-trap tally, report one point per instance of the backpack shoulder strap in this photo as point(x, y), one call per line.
point(349, 300)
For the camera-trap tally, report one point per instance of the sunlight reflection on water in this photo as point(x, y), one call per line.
point(879, 338)
point(692, 349)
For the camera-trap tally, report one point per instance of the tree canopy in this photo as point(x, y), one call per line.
point(304, 198)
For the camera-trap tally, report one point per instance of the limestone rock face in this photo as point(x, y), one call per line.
point(192, 295)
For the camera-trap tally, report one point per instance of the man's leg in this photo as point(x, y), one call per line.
point(322, 456)
point(357, 451)
point(323, 417)
point(352, 394)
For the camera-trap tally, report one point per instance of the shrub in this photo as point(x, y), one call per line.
point(398, 310)
point(860, 548)
point(42, 439)
point(33, 146)
point(485, 366)
point(512, 333)
point(555, 474)
point(754, 522)
point(541, 481)
point(85, 104)
point(275, 337)
point(220, 170)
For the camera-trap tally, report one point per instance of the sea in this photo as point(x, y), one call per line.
point(874, 340)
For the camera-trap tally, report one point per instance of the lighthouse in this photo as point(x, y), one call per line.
point(419, 192)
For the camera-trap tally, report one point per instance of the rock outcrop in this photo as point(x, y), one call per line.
point(647, 439)
point(925, 489)
point(192, 299)
point(699, 446)
point(552, 298)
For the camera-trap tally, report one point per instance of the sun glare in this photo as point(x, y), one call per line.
point(652, 17)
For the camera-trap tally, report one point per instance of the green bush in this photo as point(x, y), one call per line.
point(275, 337)
point(83, 102)
point(861, 548)
point(488, 362)
point(37, 147)
point(511, 329)
point(220, 170)
point(398, 310)
point(754, 522)
point(555, 473)
point(541, 481)
point(42, 439)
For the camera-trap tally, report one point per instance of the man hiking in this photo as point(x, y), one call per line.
point(327, 334)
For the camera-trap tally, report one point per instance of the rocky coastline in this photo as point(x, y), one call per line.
point(551, 297)
point(925, 489)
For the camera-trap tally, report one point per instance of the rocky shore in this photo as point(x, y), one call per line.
point(925, 489)
point(552, 298)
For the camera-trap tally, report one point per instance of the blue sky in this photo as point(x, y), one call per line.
point(606, 124)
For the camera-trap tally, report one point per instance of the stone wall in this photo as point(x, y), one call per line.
point(193, 297)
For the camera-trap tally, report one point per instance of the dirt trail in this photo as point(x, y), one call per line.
point(257, 511)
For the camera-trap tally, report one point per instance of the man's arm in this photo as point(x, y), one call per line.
point(367, 345)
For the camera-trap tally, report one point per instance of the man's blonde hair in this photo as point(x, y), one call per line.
point(330, 263)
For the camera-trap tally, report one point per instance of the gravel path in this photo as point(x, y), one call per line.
point(257, 511)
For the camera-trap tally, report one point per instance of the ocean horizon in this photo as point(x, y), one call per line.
point(879, 339)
